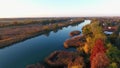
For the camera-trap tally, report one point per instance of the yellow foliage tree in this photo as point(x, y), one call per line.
point(86, 48)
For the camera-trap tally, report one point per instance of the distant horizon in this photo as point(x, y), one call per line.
point(58, 8)
point(55, 17)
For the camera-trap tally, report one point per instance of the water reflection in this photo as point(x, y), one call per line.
point(36, 49)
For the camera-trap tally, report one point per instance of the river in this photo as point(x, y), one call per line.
point(35, 49)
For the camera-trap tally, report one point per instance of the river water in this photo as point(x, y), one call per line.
point(35, 49)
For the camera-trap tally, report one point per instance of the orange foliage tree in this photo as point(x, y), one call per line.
point(100, 61)
point(98, 47)
point(98, 57)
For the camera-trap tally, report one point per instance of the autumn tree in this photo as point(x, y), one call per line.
point(97, 30)
point(98, 47)
point(86, 48)
point(86, 30)
point(98, 57)
point(100, 61)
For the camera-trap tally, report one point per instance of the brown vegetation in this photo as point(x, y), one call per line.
point(38, 65)
point(74, 33)
point(64, 58)
point(77, 63)
point(74, 41)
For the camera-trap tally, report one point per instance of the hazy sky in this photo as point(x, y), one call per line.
point(56, 8)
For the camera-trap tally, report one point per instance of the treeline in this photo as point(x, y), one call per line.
point(29, 21)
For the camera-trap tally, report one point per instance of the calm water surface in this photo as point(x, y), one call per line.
point(36, 49)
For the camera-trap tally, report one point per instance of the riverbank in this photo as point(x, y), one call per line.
point(11, 35)
point(96, 47)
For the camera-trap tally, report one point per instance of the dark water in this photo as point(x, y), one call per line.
point(36, 49)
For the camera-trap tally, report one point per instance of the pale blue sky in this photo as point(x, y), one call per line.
point(56, 8)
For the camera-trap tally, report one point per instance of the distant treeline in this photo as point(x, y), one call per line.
point(29, 21)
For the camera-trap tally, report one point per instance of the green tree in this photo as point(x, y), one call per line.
point(113, 65)
point(113, 53)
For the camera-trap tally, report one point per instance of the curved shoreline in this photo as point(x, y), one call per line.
point(19, 38)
